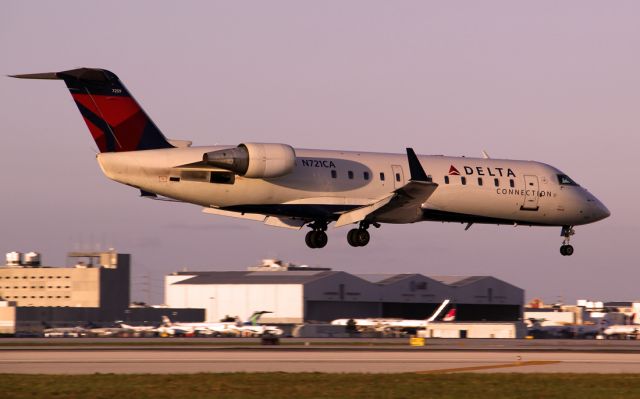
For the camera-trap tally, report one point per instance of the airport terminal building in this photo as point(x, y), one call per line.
point(299, 295)
point(94, 290)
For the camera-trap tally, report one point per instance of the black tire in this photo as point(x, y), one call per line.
point(568, 250)
point(319, 239)
point(362, 237)
point(351, 238)
point(562, 251)
point(308, 239)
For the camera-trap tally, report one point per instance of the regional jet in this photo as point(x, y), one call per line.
point(292, 188)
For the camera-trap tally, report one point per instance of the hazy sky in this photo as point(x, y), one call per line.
point(557, 82)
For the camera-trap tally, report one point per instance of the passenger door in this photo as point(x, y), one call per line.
point(531, 193)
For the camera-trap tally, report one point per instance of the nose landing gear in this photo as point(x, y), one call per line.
point(566, 249)
point(317, 238)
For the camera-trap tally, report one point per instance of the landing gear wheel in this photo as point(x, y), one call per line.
point(362, 237)
point(566, 250)
point(358, 237)
point(308, 239)
point(567, 232)
point(319, 239)
point(316, 239)
point(351, 237)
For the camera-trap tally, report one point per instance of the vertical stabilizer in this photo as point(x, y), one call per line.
point(114, 118)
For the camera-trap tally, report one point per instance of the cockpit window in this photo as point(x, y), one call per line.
point(565, 180)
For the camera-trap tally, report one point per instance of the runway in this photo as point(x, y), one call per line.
point(52, 360)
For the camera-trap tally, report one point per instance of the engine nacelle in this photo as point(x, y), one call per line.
point(254, 160)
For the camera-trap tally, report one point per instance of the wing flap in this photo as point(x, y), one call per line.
point(276, 221)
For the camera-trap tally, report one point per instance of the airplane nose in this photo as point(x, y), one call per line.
point(599, 211)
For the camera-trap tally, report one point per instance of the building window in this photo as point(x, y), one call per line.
point(381, 176)
point(334, 174)
point(350, 174)
point(366, 175)
point(446, 180)
point(511, 183)
point(480, 181)
point(463, 180)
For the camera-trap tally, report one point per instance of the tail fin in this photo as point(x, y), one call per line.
point(254, 319)
point(450, 316)
point(116, 121)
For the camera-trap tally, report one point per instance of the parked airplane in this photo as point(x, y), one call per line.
point(385, 323)
point(224, 328)
point(286, 187)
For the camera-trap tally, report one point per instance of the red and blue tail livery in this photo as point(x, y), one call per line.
point(115, 119)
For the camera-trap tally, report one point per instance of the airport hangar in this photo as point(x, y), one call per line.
point(306, 295)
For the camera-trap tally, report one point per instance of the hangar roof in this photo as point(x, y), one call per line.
point(306, 276)
point(242, 277)
point(458, 281)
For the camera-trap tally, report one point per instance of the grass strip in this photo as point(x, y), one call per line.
point(321, 385)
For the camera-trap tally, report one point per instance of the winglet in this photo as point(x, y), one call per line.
point(415, 168)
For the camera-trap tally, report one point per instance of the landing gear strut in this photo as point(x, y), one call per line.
point(360, 237)
point(566, 249)
point(317, 238)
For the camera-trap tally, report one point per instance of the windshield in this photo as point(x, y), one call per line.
point(565, 180)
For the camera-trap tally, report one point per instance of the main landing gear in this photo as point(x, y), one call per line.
point(566, 249)
point(317, 238)
point(360, 237)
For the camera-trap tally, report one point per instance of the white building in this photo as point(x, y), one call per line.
point(298, 295)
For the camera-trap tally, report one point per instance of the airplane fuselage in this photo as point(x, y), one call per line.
point(323, 183)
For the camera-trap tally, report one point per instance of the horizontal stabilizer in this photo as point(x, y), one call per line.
point(46, 75)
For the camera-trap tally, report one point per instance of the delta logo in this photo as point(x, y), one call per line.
point(482, 171)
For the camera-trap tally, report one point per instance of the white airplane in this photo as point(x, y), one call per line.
point(215, 329)
point(381, 323)
point(224, 328)
point(286, 187)
point(253, 328)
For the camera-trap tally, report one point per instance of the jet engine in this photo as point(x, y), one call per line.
point(254, 160)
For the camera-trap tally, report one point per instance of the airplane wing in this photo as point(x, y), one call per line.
point(403, 204)
point(277, 221)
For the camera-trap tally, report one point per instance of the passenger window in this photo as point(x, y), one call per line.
point(511, 183)
point(446, 180)
point(334, 174)
point(381, 176)
point(496, 181)
point(463, 180)
point(480, 181)
point(366, 175)
point(350, 173)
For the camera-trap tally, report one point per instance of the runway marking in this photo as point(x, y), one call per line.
point(490, 366)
